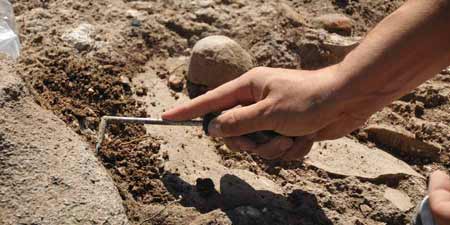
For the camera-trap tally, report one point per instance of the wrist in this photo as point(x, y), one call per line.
point(350, 95)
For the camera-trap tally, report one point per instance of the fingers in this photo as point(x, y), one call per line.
point(440, 197)
point(228, 95)
point(300, 148)
point(240, 143)
point(280, 147)
point(243, 120)
point(275, 148)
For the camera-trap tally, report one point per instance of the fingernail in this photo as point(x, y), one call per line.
point(285, 144)
point(214, 129)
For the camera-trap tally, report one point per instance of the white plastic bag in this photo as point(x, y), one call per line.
point(9, 40)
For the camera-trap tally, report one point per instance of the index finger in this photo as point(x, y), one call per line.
point(226, 96)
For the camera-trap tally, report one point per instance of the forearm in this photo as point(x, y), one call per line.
point(404, 50)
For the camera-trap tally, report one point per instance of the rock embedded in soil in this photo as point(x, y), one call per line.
point(293, 16)
point(175, 82)
point(397, 138)
point(335, 23)
point(347, 157)
point(48, 174)
point(216, 217)
point(216, 60)
point(399, 199)
point(319, 48)
point(80, 37)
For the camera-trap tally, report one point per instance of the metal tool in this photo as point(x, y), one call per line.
point(260, 137)
point(106, 119)
point(423, 214)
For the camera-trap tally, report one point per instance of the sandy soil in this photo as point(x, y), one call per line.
point(122, 63)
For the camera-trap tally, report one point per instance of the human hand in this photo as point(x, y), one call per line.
point(439, 194)
point(302, 106)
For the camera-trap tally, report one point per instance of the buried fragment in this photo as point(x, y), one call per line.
point(397, 138)
point(347, 157)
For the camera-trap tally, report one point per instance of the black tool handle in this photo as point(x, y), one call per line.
point(260, 137)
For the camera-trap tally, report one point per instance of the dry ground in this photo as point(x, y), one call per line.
point(123, 67)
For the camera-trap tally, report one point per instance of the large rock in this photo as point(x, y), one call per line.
point(216, 60)
point(48, 174)
point(349, 158)
point(400, 139)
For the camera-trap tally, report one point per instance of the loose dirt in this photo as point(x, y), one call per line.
point(126, 66)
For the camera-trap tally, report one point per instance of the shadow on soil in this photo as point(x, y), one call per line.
point(246, 206)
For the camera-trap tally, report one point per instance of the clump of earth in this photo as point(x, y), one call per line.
point(85, 59)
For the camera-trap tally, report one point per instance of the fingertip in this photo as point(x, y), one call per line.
point(285, 142)
point(240, 144)
point(275, 148)
point(439, 180)
point(167, 115)
point(172, 114)
point(300, 148)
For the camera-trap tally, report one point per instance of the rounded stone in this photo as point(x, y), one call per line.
point(216, 60)
point(335, 23)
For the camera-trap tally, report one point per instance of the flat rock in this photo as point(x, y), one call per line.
point(48, 174)
point(349, 158)
point(320, 48)
point(400, 139)
point(216, 60)
point(399, 199)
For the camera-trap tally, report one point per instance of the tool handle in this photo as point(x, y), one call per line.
point(260, 137)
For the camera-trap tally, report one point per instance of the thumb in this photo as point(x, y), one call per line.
point(240, 121)
point(439, 192)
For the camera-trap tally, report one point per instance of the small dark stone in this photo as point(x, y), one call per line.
point(135, 23)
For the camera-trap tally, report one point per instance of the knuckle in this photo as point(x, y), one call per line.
point(257, 70)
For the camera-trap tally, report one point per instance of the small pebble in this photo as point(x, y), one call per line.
point(135, 23)
point(176, 83)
